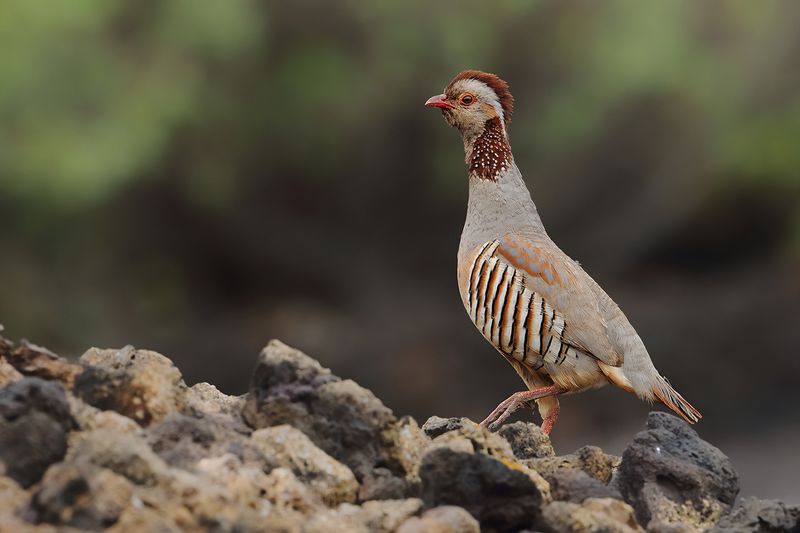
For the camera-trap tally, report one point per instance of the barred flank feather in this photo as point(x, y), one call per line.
point(672, 399)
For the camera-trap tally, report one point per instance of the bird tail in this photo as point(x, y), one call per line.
point(672, 399)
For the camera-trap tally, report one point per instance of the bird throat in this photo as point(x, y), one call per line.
point(489, 154)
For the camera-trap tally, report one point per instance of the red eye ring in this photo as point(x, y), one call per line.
point(467, 99)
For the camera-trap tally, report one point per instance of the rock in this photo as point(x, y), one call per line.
point(527, 440)
point(672, 477)
point(442, 519)
point(181, 441)
point(82, 497)
point(464, 435)
point(372, 517)
point(589, 459)
point(411, 445)
point(286, 492)
point(88, 418)
point(34, 420)
point(204, 399)
point(32, 360)
point(142, 385)
point(12, 498)
point(127, 454)
point(381, 484)
point(239, 496)
point(387, 515)
point(131, 448)
point(575, 486)
point(144, 519)
point(290, 448)
point(500, 497)
point(342, 418)
point(456, 431)
point(8, 374)
point(436, 425)
point(752, 515)
point(598, 515)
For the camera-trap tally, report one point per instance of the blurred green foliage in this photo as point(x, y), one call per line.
point(94, 95)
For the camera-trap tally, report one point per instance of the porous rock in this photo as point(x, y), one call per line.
point(527, 440)
point(143, 385)
point(672, 477)
point(181, 441)
point(344, 419)
point(752, 515)
point(34, 421)
point(589, 459)
point(500, 497)
point(8, 374)
point(79, 496)
point(595, 515)
point(290, 448)
point(12, 497)
point(575, 485)
point(459, 431)
point(204, 399)
point(442, 519)
point(436, 425)
point(306, 451)
point(377, 516)
point(127, 454)
point(32, 360)
point(88, 417)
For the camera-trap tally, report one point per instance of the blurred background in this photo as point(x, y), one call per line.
point(197, 177)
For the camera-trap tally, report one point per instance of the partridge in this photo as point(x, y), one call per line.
point(545, 315)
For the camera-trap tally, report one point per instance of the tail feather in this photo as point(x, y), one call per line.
point(672, 399)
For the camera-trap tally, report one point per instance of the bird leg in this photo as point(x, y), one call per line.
point(516, 400)
point(550, 420)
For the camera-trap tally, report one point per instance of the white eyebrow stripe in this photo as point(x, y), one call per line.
point(482, 91)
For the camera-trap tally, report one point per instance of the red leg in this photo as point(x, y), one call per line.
point(515, 401)
point(550, 420)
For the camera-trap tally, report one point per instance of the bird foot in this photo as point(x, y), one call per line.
point(514, 402)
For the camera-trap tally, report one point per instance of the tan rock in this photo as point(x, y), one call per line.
point(442, 519)
point(292, 449)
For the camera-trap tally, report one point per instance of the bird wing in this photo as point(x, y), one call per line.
point(572, 294)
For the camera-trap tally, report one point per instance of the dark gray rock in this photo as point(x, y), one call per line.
point(34, 421)
point(344, 419)
point(527, 440)
point(501, 498)
point(576, 485)
point(182, 440)
point(752, 515)
point(670, 475)
point(436, 425)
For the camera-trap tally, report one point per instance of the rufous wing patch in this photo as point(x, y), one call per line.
point(532, 260)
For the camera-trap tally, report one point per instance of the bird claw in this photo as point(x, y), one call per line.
point(502, 412)
point(514, 402)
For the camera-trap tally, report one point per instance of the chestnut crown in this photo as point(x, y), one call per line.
point(472, 99)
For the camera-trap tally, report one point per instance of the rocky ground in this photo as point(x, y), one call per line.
point(118, 441)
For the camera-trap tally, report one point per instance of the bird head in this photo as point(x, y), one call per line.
point(472, 99)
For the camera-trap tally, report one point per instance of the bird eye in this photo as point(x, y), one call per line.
point(467, 99)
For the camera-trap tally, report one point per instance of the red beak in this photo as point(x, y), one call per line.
point(440, 100)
